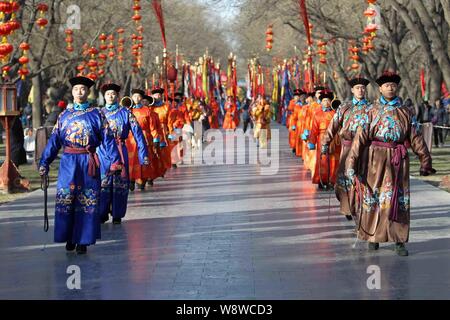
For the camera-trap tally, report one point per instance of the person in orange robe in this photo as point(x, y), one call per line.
point(231, 115)
point(139, 174)
point(326, 166)
point(154, 149)
point(214, 116)
point(176, 121)
point(162, 109)
point(296, 123)
point(310, 155)
point(291, 119)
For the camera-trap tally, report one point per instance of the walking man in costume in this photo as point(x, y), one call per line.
point(384, 195)
point(80, 130)
point(114, 192)
point(346, 121)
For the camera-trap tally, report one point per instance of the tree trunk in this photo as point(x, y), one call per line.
point(438, 50)
point(435, 83)
point(37, 101)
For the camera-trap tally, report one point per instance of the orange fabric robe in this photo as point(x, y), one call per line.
point(231, 120)
point(290, 122)
point(298, 123)
point(139, 173)
point(214, 117)
point(154, 150)
point(310, 156)
point(324, 172)
point(163, 113)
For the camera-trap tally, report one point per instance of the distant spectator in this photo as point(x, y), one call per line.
point(54, 114)
point(426, 111)
point(439, 118)
point(29, 143)
point(28, 116)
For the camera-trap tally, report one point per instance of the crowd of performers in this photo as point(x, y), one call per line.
point(125, 145)
point(359, 148)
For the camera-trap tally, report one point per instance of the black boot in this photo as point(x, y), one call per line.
point(70, 246)
point(104, 219)
point(81, 249)
point(140, 186)
point(131, 185)
point(401, 249)
point(349, 217)
point(174, 166)
point(150, 182)
point(374, 245)
point(293, 150)
point(117, 220)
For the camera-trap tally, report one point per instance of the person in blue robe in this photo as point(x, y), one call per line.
point(80, 130)
point(115, 186)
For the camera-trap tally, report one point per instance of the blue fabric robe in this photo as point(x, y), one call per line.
point(114, 188)
point(77, 218)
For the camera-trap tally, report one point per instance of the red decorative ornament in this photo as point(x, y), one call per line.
point(24, 60)
point(42, 7)
point(14, 25)
point(120, 31)
point(92, 76)
point(355, 66)
point(269, 37)
point(5, 29)
point(172, 73)
point(137, 17)
point(42, 22)
point(6, 49)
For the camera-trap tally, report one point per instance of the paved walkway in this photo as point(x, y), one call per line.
point(228, 232)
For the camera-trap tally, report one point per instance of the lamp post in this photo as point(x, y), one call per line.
point(10, 178)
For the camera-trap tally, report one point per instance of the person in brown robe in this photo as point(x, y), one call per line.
point(384, 194)
point(348, 118)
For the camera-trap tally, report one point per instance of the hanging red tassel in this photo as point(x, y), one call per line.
point(157, 7)
point(304, 17)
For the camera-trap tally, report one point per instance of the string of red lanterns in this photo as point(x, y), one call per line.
point(42, 21)
point(269, 37)
point(371, 28)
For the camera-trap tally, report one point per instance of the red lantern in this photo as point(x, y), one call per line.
point(93, 51)
point(172, 73)
point(24, 46)
point(92, 63)
point(103, 37)
point(6, 49)
point(5, 29)
point(42, 7)
point(24, 60)
point(112, 54)
point(80, 68)
point(370, 13)
point(371, 1)
point(323, 60)
point(120, 31)
point(355, 58)
point(42, 22)
point(5, 8)
point(14, 25)
point(92, 76)
point(102, 56)
point(370, 28)
point(355, 66)
point(136, 7)
point(136, 17)
point(23, 73)
point(322, 52)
